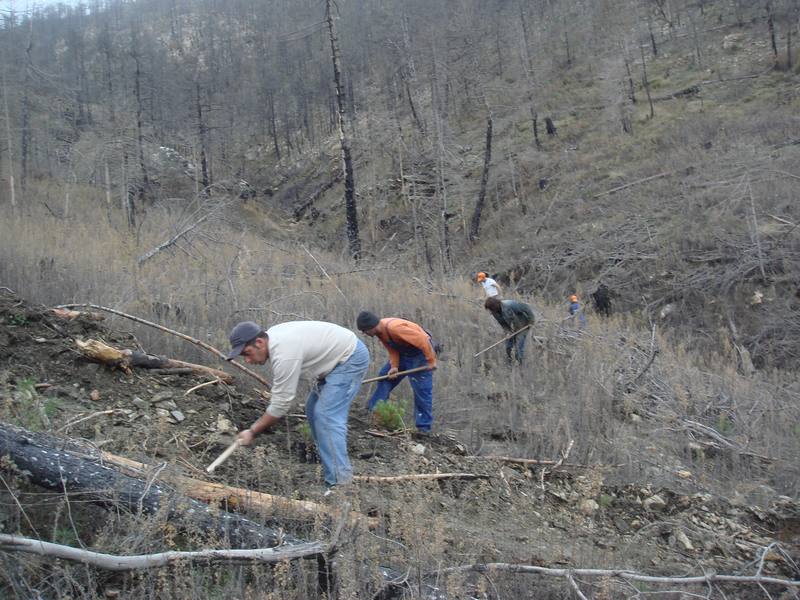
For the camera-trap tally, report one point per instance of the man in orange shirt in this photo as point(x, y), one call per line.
point(409, 346)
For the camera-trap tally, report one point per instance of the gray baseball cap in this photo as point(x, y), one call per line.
point(241, 335)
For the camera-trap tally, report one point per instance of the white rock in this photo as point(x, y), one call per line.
point(588, 506)
point(683, 540)
point(655, 502)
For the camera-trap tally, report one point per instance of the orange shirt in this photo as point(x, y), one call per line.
point(406, 333)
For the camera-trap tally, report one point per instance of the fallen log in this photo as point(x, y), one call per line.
point(54, 464)
point(59, 465)
point(125, 359)
point(208, 491)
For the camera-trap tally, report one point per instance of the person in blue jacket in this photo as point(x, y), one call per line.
point(512, 316)
point(576, 311)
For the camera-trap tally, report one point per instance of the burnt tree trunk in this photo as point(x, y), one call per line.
point(475, 223)
point(353, 238)
point(25, 130)
point(202, 137)
point(771, 26)
point(144, 186)
point(646, 84)
point(61, 465)
point(550, 126)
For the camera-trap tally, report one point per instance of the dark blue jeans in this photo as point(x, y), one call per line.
point(327, 408)
point(421, 384)
point(518, 342)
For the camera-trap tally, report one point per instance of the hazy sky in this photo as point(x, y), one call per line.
point(24, 5)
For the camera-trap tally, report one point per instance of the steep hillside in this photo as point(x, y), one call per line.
point(648, 145)
point(556, 514)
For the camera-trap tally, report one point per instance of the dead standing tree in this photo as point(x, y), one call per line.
point(475, 223)
point(353, 239)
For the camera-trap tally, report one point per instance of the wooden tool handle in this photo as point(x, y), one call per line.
point(399, 373)
point(223, 457)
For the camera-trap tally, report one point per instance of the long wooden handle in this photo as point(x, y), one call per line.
point(381, 378)
point(508, 337)
point(223, 457)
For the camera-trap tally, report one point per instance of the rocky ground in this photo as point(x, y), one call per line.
point(565, 516)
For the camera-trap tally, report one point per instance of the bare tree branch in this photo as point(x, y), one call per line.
point(623, 574)
point(115, 562)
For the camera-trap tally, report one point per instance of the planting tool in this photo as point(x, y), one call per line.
point(223, 457)
point(508, 337)
point(381, 378)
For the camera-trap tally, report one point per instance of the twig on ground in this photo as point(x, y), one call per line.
point(632, 183)
point(417, 477)
point(564, 456)
point(202, 385)
point(86, 418)
point(624, 574)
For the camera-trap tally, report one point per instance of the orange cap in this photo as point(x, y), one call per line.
point(480, 276)
point(573, 298)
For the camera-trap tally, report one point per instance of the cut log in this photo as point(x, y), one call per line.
point(151, 361)
point(240, 497)
point(65, 313)
point(125, 359)
point(56, 464)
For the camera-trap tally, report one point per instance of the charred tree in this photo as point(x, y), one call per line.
point(202, 131)
point(475, 223)
point(771, 26)
point(646, 83)
point(60, 465)
point(353, 238)
point(137, 92)
point(25, 130)
point(10, 150)
point(551, 126)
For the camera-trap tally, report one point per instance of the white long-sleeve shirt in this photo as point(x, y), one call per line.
point(490, 287)
point(304, 350)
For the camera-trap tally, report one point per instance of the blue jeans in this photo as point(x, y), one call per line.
point(421, 384)
point(327, 408)
point(517, 341)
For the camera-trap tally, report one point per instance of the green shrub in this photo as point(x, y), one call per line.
point(389, 415)
point(17, 320)
point(605, 500)
point(31, 412)
point(304, 429)
point(724, 424)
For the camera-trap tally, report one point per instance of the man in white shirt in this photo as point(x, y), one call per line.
point(329, 355)
point(490, 286)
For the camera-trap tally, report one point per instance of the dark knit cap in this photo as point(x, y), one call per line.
point(366, 320)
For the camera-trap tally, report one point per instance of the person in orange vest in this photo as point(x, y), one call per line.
point(409, 346)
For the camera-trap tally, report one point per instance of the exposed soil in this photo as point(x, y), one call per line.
point(514, 515)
